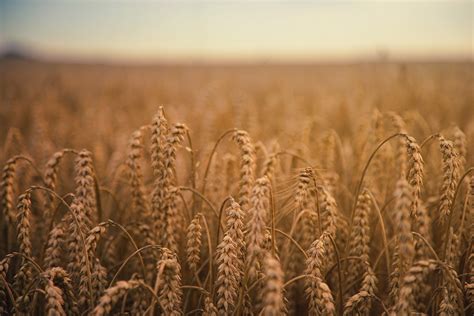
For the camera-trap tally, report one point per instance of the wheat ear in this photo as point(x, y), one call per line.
point(451, 174)
point(193, 245)
point(85, 187)
point(260, 206)
point(318, 293)
point(170, 292)
point(112, 295)
point(361, 302)
point(273, 299)
point(247, 166)
point(404, 250)
point(360, 237)
point(6, 190)
point(24, 275)
point(135, 153)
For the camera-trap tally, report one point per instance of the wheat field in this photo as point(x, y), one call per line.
point(237, 189)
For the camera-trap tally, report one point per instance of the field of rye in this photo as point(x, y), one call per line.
point(236, 190)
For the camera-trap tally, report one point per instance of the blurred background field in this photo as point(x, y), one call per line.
point(98, 106)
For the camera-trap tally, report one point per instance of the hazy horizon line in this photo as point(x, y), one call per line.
point(24, 51)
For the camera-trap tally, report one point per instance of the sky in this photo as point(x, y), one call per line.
point(239, 30)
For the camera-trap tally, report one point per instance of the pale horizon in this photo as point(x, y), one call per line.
point(239, 30)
